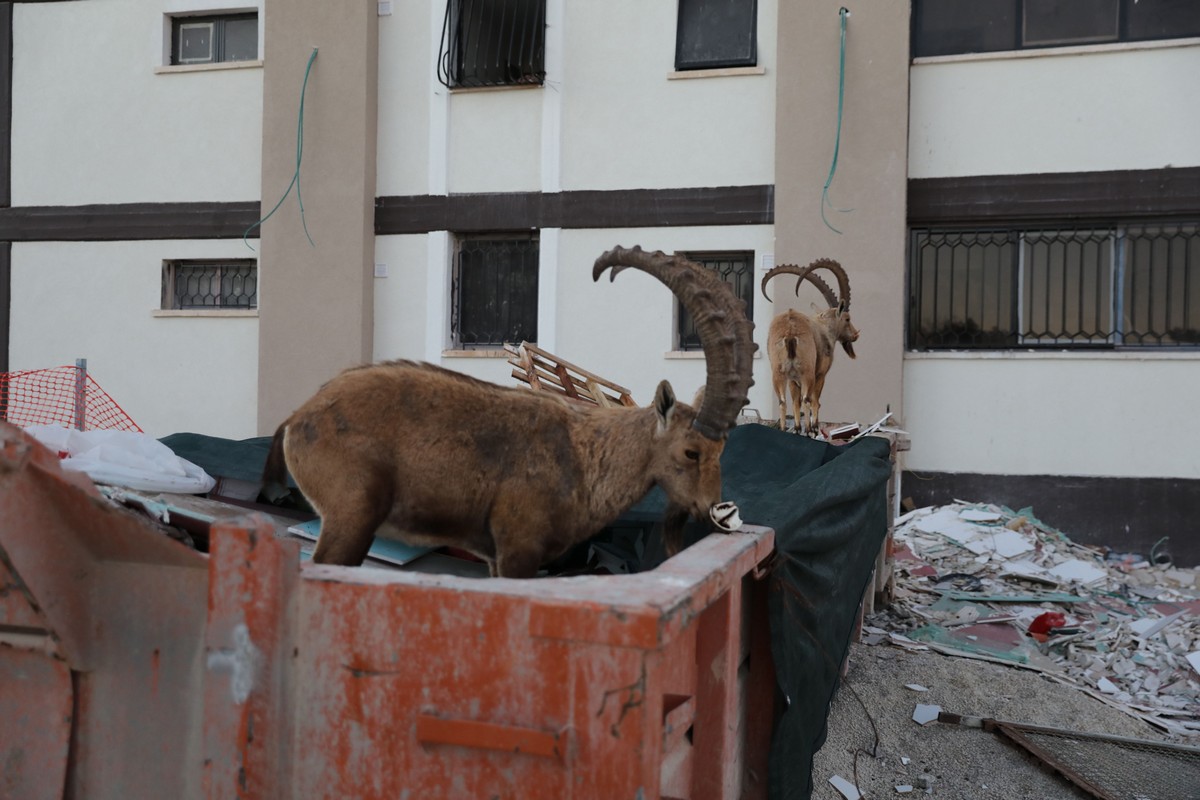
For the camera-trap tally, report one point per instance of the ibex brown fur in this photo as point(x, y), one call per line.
point(800, 348)
point(514, 476)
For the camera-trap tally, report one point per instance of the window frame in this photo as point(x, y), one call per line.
point(1135, 257)
point(750, 59)
point(218, 43)
point(704, 257)
point(459, 38)
point(456, 311)
point(171, 301)
point(1018, 42)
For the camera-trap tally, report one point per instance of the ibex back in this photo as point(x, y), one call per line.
point(516, 477)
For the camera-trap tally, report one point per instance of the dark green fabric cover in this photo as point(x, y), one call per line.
point(223, 458)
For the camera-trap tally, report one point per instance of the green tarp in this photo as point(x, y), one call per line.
point(828, 506)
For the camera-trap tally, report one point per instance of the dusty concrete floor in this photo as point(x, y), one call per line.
point(965, 763)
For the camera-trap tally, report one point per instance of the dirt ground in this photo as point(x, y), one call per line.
point(964, 763)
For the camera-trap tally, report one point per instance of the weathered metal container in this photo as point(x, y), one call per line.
point(135, 667)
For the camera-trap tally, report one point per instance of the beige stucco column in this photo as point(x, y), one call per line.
point(315, 302)
point(871, 179)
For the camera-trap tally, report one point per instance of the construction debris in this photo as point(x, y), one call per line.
point(982, 581)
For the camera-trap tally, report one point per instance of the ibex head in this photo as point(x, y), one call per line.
point(686, 460)
point(837, 317)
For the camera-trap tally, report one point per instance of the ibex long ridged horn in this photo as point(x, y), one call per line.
point(726, 335)
point(807, 272)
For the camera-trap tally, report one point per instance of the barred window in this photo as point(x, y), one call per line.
point(735, 268)
point(944, 27)
point(1134, 285)
point(209, 284)
point(493, 43)
point(716, 33)
point(494, 292)
point(214, 39)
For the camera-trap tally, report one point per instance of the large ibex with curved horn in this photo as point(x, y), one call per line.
point(800, 347)
point(514, 476)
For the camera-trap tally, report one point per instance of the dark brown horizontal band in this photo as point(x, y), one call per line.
point(128, 222)
point(1117, 194)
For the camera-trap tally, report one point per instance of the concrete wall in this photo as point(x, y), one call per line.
point(98, 300)
point(871, 179)
point(1105, 108)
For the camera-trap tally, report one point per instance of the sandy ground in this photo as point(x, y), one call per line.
point(965, 763)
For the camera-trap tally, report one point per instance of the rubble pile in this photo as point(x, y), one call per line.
point(982, 581)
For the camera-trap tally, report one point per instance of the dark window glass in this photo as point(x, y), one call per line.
point(1126, 285)
point(210, 284)
point(946, 27)
point(495, 291)
point(493, 43)
point(716, 33)
point(214, 39)
point(736, 269)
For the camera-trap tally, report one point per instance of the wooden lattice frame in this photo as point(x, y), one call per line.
point(545, 371)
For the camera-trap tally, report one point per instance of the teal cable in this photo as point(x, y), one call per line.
point(843, 12)
point(299, 155)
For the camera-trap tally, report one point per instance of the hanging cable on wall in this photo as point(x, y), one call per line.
point(843, 13)
point(299, 155)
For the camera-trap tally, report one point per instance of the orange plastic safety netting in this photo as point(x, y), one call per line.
point(65, 396)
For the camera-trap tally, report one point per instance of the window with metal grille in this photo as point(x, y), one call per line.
point(494, 292)
point(493, 43)
point(214, 39)
point(716, 33)
point(210, 284)
point(736, 269)
point(1133, 285)
point(945, 27)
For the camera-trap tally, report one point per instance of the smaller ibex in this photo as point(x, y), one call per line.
point(801, 348)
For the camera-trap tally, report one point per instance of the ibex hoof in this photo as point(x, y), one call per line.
point(725, 516)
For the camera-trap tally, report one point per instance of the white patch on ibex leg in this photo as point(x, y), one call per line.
point(243, 661)
point(725, 516)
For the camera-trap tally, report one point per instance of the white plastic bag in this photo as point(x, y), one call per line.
point(124, 458)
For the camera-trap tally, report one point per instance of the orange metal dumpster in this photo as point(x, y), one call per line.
point(246, 674)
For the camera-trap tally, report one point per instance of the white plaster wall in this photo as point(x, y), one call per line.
point(1106, 109)
point(83, 79)
point(1115, 414)
point(407, 84)
point(400, 307)
point(626, 126)
point(95, 300)
point(494, 140)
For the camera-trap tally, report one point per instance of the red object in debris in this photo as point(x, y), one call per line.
point(1041, 627)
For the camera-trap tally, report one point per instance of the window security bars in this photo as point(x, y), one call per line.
point(735, 268)
point(1084, 287)
point(944, 27)
point(214, 39)
point(493, 43)
point(494, 292)
point(210, 284)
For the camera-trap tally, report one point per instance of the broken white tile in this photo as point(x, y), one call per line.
point(924, 714)
point(916, 687)
point(1002, 542)
point(1194, 660)
point(847, 789)
point(1146, 631)
point(1078, 571)
point(979, 515)
point(1106, 686)
point(905, 760)
point(946, 522)
point(903, 788)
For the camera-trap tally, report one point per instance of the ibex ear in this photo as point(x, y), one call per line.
point(664, 404)
point(698, 400)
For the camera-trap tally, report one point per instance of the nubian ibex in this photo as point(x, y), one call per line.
point(516, 477)
point(800, 347)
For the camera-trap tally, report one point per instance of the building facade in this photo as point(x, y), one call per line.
point(1014, 194)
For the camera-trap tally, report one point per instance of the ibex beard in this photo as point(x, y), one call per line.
point(514, 476)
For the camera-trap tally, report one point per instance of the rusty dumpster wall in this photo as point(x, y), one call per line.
point(149, 670)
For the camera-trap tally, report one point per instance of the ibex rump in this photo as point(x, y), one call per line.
point(514, 476)
point(800, 348)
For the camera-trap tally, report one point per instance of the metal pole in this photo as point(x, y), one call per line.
point(80, 389)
